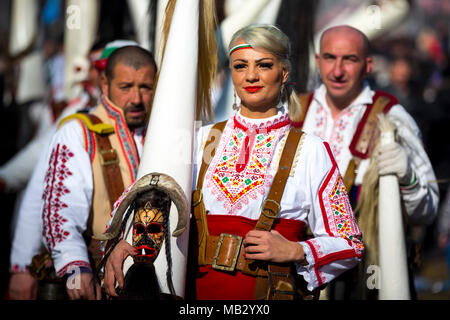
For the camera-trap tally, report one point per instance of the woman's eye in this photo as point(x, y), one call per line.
point(266, 65)
point(239, 66)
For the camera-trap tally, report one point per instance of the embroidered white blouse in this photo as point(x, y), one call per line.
point(420, 199)
point(237, 182)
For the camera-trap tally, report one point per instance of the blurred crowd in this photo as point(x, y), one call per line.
point(411, 61)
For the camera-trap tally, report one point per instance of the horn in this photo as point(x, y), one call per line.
point(154, 180)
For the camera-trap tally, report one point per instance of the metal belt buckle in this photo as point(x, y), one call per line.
point(269, 213)
point(108, 162)
point(236, 253)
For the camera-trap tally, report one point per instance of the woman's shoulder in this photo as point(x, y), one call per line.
point(315, 148)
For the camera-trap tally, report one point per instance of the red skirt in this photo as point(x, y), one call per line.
point(218, 285)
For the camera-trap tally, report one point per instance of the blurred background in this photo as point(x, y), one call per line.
point(48, 49)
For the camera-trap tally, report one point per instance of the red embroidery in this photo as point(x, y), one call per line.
point(71, 266)
point(339, 220)
point(239, 172)
point(53, 192)
point(16, 268)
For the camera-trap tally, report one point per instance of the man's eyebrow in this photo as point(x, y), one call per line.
point(351, 56)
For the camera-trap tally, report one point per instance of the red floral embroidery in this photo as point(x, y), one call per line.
point(339, 221)
point(53, 192)
point(239, 172)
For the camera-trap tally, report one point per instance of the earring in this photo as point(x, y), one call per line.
point(283, 92)
point(235, 106)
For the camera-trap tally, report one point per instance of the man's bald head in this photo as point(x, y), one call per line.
point(343, 63)
point(357, 36)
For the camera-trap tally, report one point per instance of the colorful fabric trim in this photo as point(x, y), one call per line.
point(239, 47)
point(239, 171)
point(338, 220)
point(72, 266)
point(124, 136)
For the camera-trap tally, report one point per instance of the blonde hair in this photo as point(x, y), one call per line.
point(273, 40)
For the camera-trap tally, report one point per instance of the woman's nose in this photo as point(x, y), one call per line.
point(252, 74)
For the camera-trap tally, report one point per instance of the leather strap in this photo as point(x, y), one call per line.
point(305, 101)
point(110, 163)
point(271, 205)
point(197, 197)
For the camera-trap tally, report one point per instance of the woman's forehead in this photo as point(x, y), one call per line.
point(250, 54)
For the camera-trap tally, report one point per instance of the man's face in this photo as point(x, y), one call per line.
point(131, 90)
point(343, 65)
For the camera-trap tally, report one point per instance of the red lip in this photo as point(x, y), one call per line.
point(253, 89)
point(145, 251)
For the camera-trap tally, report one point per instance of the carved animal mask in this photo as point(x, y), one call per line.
point(148, 233)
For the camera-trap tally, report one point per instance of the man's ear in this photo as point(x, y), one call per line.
point(369, 65)
point(104, 83)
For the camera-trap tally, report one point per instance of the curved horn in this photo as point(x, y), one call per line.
point(148, 182)
point(176, 194)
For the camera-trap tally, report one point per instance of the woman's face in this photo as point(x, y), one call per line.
point(257, 77)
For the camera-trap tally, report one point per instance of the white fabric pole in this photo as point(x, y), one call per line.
point(169, 141)
point(394, 283)
point(79, 34)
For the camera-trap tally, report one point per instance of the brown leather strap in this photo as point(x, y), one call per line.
point(197, 197)
point(271, 205)
point(110, 163)
point(305, 101)
point(366, 135)
point(350, 174)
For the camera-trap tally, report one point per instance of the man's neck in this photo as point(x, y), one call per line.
point(337, 105)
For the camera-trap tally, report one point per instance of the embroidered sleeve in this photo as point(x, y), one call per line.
point(66, 198)
point(337, 244)
point(27, 235)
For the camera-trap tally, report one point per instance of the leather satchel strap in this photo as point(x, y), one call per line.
point(110, 164)
point(305, 101)
point(271, 205)
point(197, 197)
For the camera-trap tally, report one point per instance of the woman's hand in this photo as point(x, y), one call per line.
point(272, 246)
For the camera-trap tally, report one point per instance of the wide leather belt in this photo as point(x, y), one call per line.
point(225, 252)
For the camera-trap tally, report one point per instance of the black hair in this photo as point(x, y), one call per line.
point(132, 56)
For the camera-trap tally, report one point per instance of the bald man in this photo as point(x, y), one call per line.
point(340, 111)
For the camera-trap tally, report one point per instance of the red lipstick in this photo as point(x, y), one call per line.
point(253, 89)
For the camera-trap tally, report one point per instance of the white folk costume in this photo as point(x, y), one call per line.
point(237, 182)
point(420, 199)
point(74, 196)
point(28, 168)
